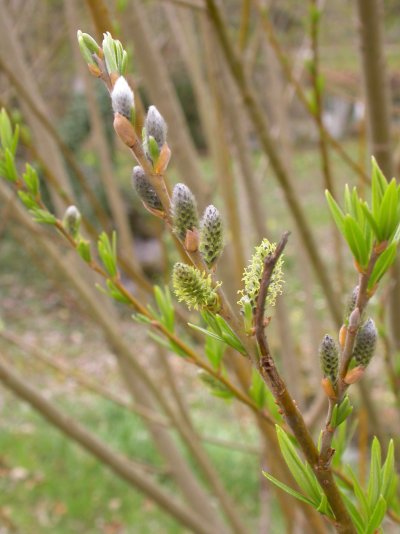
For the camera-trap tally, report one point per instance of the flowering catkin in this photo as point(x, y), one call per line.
point(211, 235)
point(195, 288)
point(184, 210)
point(253, 273)
point(144, 189)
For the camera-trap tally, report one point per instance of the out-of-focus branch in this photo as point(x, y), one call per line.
point(301, 94)
point(257, 116)
point(115, 461)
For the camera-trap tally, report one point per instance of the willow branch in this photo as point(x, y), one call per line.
point(289, 408)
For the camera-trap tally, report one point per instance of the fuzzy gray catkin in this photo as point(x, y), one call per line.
point(365, 343)
point(156, 126)
point(329, 358)
point(122, 98)
point(144, 189)
point(211, 235)
point(184, 210)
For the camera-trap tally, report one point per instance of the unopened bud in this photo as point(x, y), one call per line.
point(122, 98)
point(72, 221)
point(156, 126)
point(351, 303)
point(192, 240)
point(184, 210)
point(124, 129)
point(354, 375)
point(365, 343)
point(211, 235)
point(329, 358)
point(145, 190)
point(195, 288)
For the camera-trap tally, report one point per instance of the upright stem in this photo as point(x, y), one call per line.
point(292, 414)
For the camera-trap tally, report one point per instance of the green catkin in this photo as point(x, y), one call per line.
point(211, 235)
point(365, 343)
point(144, 189)
point(253, 273)
point(329, 358)
point(184, 210)
point(195, 288)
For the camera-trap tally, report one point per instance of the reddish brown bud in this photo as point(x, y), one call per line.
point(163, 159)
point(342, 336)
point(328, 388)
point(354, 375)
point(124, 129)
point(192, 240)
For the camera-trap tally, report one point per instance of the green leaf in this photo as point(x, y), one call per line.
point(341, 412)
point(388, 473)
point(9, 162)
point(27, 200)
point(356, 241)
point(107, 253)
point(6, 135)
point(206, 332)
point(383, 263)
point(296, 466)
point(214, 351)
point(164, 303)
point(374, 482)
point(354, 513)
point(154, 151)
point(336, 212)
point(31, 180)
point(83, 249)
point(229, 335)
point(210, 319)
point(387, 216)
point(115, 293)
point(42, 216)
point(217, 388)
point(378, 187)
point(372, 222)
point(257, 390)
point(359, 493)
point(377, 516)
point(289, 490)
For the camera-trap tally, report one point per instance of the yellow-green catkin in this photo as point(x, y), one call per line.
point(253, 273)
point(195, 288)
